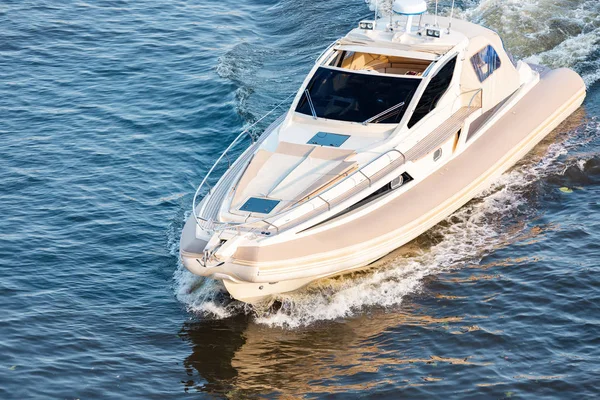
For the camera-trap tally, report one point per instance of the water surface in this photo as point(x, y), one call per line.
point(111, 111)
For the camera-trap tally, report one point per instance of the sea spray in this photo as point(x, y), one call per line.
point(555, 33)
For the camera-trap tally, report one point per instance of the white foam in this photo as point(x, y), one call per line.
point(574, 52)
point(556, 33)
point(384, 6)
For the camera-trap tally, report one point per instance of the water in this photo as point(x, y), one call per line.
point(111, 111)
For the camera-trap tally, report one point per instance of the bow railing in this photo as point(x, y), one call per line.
point(204, 222)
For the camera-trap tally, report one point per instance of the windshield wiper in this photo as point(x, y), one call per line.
point(381, 114)
point(310, 103)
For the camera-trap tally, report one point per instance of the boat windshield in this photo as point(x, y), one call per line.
point(357, 97)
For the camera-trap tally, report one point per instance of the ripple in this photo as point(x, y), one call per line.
point(111, 111)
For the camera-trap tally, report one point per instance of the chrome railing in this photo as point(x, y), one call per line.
point(477, 91)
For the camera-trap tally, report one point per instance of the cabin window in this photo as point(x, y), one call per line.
point(345, 58)
point(339, 58)
point(437, 87)
point(437, 155)
point(485, 63)
point(383, 64)
point(357, 97)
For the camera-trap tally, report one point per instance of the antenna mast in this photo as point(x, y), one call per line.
point(436, 12)
point(451, 15)
point(376, 11)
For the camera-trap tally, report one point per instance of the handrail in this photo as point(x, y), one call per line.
point(233, 143)
point(358, 188)
point(477, 91)
point(334, 202)
point(326, 50)
point(384, 112)
point(310, 103)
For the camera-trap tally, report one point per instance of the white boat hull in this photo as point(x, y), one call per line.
point(253, 274)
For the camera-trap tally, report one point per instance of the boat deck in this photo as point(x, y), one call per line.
point(210, 210)
point(557, 95)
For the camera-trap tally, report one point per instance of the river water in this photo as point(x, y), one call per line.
point(111, 112)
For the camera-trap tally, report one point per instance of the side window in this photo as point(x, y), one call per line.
point(437, 87)
point(485, 63)
point(346, 59)
point(340, 58)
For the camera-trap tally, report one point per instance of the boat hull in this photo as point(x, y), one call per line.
point(257, 272)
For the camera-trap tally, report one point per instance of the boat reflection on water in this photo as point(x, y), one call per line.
point(214, 345)
point(237, 357)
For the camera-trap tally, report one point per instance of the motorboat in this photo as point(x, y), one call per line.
point(398, 124)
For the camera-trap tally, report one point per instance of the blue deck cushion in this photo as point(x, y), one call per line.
point(259, 205)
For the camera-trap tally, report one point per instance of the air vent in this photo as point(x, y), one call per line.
point(328, 139)
point(259, 205)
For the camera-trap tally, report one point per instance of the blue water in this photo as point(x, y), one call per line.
point(110, 113)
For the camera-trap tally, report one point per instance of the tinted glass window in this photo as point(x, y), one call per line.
point(438, 85)
point(356, 97)
point(485, 63)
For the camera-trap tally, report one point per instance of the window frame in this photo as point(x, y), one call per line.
point(301, 99)
point(481, 75)
point(443, 65)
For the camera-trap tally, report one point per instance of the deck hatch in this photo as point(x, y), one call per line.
point(328, 139)
point(259, 205)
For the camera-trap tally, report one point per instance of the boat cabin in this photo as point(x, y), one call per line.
point(387, 94)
